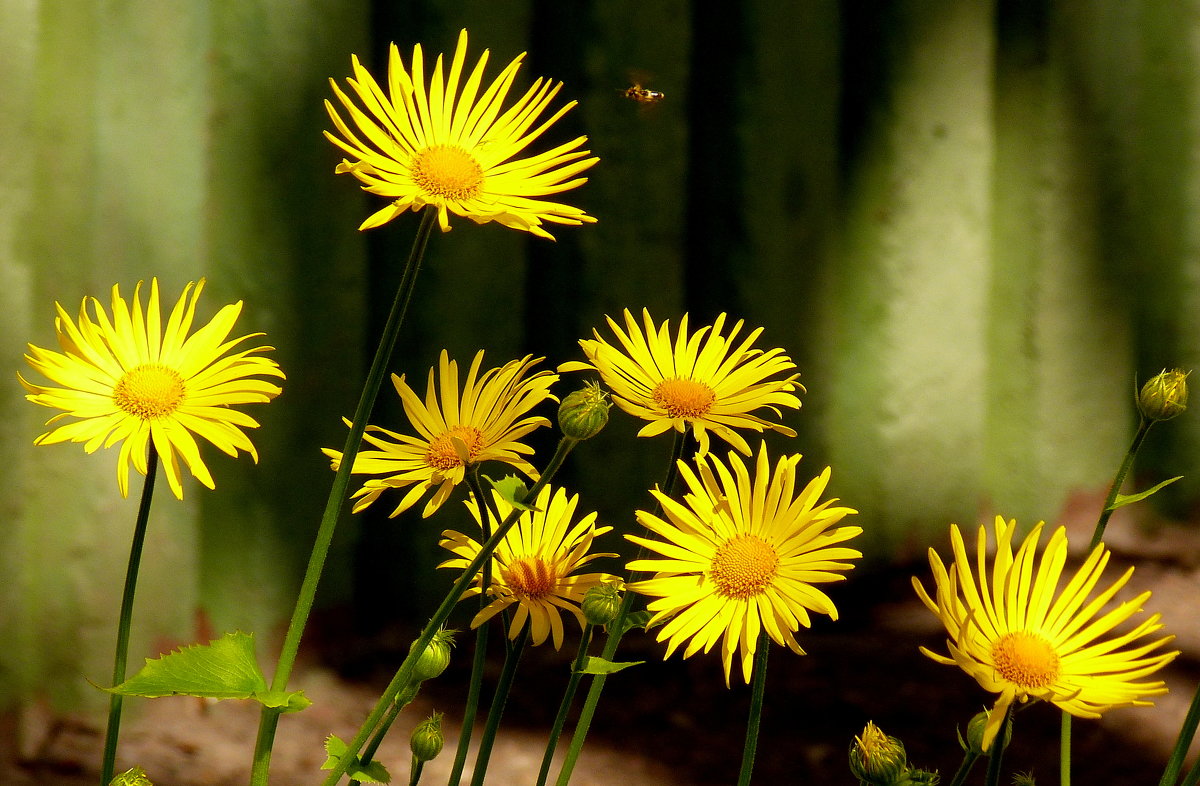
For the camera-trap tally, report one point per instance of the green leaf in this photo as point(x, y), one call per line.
point(225, 668)
point(1128, 499)
point(373, 772)
point(133, 777)
point(637, 619)
point(513, 490)
point(601, 666)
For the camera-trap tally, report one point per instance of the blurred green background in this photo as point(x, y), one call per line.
point(972, 224)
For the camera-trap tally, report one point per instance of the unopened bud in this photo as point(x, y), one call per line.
point(877, 759)
point(426, 740)
point(601, 604)
point(1164, 396)
point(583, 414)
point(975, 731)
point(132, 777)
point(435, 658)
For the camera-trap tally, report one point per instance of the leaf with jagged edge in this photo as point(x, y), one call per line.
point(593, 665)
point(373, 772)
point(225, 668)
point(1129, 499)
point(514, 491)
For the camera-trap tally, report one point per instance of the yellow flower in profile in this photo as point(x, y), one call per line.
point(705, 380)
point(534, 565)
point(455, 431)
point(131, 380)
point(446, 145)
point(1019, 634)
point(741, 555)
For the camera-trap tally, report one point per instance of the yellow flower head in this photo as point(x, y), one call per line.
point(444, 144)
point(705, 380)
point(1020, 635)
point(741, 555)
point(455, 430)
point(534, 566)
point(130, 380)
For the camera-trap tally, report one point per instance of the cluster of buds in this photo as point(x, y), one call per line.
point(878, 759)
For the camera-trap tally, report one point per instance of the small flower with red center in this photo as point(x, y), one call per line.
point(455, 431)
point(534, 566)
point(1019, 634)
point(132, 380)
point(446, 144)
point(706, 381)
point(742, 554)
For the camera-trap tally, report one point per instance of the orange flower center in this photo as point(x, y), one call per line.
point(530, 577)
point(448, 172)
point(743, 567)
point(1025, 659)
point(444, 455)
point(684, 398)
point(150, 391)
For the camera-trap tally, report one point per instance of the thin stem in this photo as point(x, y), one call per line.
point(564, 706)
point(997, 753)
point(1144, 425)
point(565, 445)
point(616, 629)
point(481, 636)
point(269, 718)
point(414, 773)
point(1064, 751)
point(758, 691)
point(1186, 732)
point(503, 687)
point(125, 620)
point(1193, 775)
point(964, 769)
point(397, 707)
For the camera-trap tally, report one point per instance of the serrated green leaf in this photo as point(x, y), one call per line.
point(132, 777)
point(374, 772)
point(601, 666)
point(637, 619)
point(225, 668)
point(513, 490)
point(1128, 499)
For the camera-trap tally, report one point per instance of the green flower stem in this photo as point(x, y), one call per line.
point(440, 616)
point(126, 617)
point(414, 775)
point(759, 689)
point(616, 629)
point(481, 636)
point(997, 752)
point(403, 700)
point(1186, 732)
point(503, 686)
point(269, 719)
point(1064, 751)
point(564, 706)
point(1193, 776)
point(964, 769)
point(1144, 425)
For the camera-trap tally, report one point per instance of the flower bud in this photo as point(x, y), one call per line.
point(877, 759)
point(1164, 396)
point(975, 729)
point(132, 777)
point(582, 414)
point(436, 657)
point(601, 604)
point(426, 740)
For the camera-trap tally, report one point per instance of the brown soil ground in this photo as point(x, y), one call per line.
point(673, 722)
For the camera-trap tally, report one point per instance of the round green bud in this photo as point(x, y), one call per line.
point(426, 739)
point(584, 413)
point(877, 759)
point(975, 729)
point(1164, 396)
point(601, 604)
point(435, 658)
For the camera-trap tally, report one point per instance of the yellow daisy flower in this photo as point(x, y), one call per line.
point(534, 566)
point(1020, 635)
point(454, 431)
point(704, 380)
point(742, 554)
point(128, 379)
point(448, 146)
